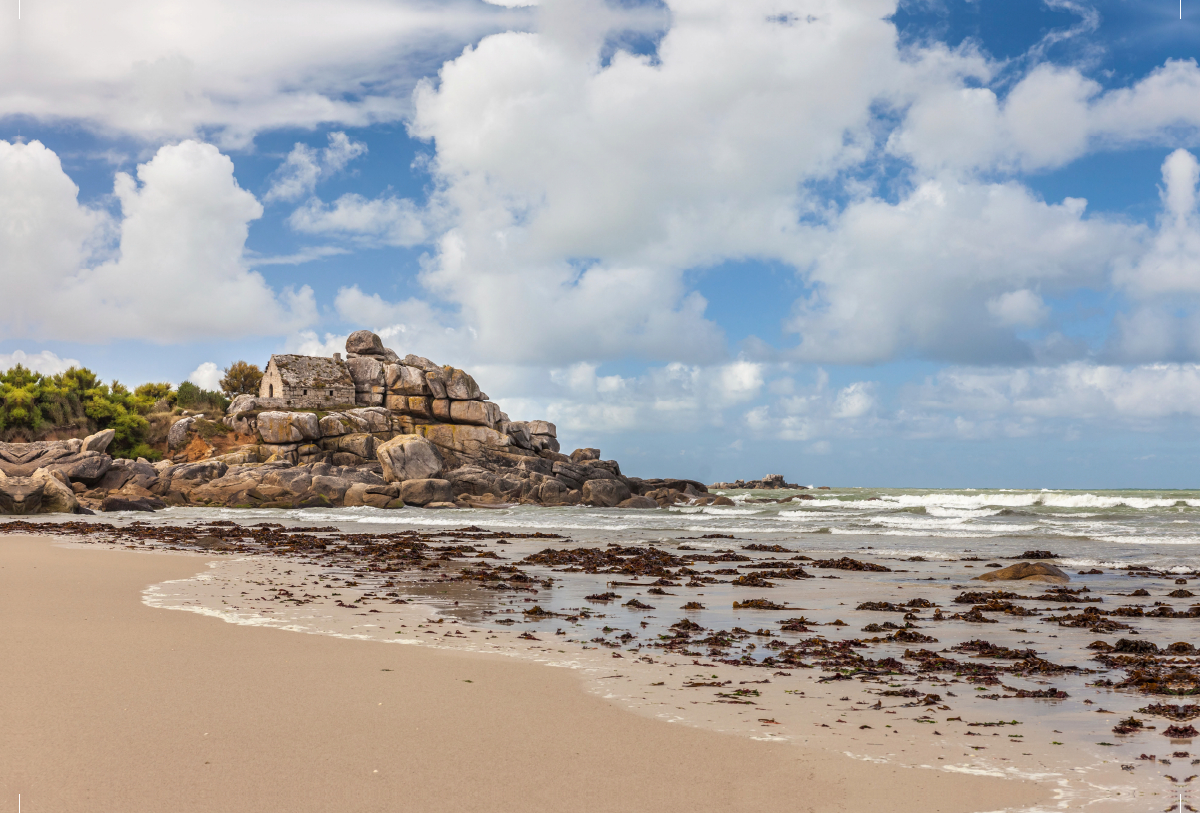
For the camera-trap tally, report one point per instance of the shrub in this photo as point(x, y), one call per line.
point(241, 378)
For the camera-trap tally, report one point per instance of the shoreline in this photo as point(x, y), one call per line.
point(137, 709)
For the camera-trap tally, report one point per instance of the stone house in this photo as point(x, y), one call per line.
point(306, 382)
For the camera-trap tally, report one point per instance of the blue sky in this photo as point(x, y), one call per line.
point(921, 243)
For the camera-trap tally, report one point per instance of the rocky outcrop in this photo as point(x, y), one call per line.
point(771, 481)
point(420, 434)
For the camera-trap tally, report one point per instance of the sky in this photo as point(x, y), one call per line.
point(909, 243)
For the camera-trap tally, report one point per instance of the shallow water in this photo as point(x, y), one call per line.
point(1065, 743)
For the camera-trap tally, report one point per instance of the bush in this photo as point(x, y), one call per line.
point(241, 378)
point(31, 402)
point(189, 396)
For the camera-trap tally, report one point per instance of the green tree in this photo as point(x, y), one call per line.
point(241, 378)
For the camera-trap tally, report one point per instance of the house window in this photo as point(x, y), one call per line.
point(270, 390)
point(331, 393)
point(306, 392)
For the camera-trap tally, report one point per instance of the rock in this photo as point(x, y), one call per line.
point(364, 343)
point(1026, 571)
point(477, 413)
point(331, 488)
point(722, 501)
point(360, 443)
point(203, 471)
point(374, 496)
point(87, 467)
point(367, 373)
point(460, 386)
point(242, 403)
point(288, 427)
point(177, 434)
point(408, 457)
point(637, 502)
point(543, 428)
point(124, 504)
point(420, 362)
point(581, 455)
point(465, 442)
point(605, 493)
point(99, 441)
point(373, 419)
point(423, 492)
point(437, 386)
point(402, 379)
point(440, 408)
point(441, 504)
point(335, 424)
point(518, 431)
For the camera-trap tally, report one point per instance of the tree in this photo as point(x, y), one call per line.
point(241, 378)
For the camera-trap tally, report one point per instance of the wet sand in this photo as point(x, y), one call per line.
point(112, 705)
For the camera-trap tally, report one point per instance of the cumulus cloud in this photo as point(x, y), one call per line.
point(170, 68)
point(1078, 391)
point(1051, 116)
point(207, 376)
point(174, 270)
point(936, 272)
point(304, 166)
point(45, 362)
point(387, 221)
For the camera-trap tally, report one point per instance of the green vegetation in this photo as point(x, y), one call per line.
point(76, 403)
point(189, 396)
point(241, 378)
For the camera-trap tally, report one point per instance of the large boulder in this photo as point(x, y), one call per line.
point(371, 419)
point(401, 379)
point(423, 492)
point(543, 428)
point(41, 493)
point(85, 467)
point(99, 441)
point(335, 424)
point(637, 502)
point(1026, 572)
point(436, 383)
point(242, 403)
point(477, 413)
point(288, 427)
point(584, 455)
point(364, 343)
point(408, 457)
point(177, 434)
point(463, 441)
point(367, 371)
point(605, 493)
point(460, 386)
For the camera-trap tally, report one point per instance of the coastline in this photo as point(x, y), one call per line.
point(116, 705)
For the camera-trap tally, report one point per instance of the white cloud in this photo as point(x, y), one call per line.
point(304, 166)
point(1077, 391)
point(1021, 308)
point(207, 376)
point(1052, 116)
point(386, 221)
point(931, 272)
point(1173, 263)
point(175, 272)
point(45, 362)
point(171, 68)
point(854, 401)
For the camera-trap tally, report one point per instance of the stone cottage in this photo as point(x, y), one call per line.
point(307, 382)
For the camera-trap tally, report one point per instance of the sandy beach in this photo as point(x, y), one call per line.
point(113, 705)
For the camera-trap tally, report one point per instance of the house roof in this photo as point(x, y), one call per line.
point(312, 371)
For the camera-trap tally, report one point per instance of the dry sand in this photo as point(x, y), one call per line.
point(108, 704)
